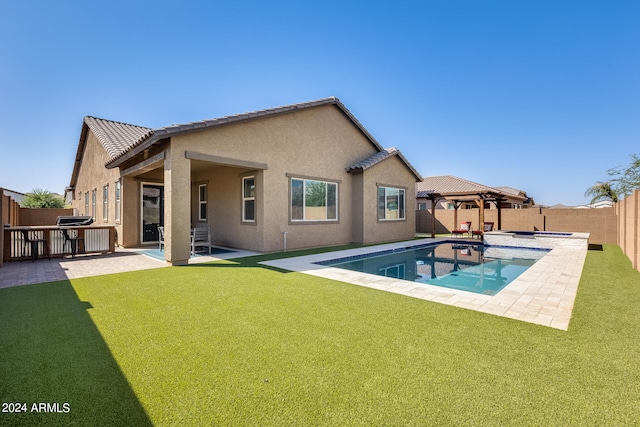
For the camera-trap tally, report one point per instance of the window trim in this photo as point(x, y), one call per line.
point(118, 200)
point(402, 210)
point(246, 199)
point(202, 202)
point(304, 179)
point(94, 197)
point(105, 202)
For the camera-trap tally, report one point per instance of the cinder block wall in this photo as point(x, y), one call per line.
point(629, 227)
point(600, 223)
point(39, 217)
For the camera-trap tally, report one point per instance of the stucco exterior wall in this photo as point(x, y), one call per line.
point(318, 143)
point(94, 176)
point(388, 173)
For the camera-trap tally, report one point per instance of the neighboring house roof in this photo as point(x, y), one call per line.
point(596, 205)
point(452, 186)
point(379, 157)
point(15, 195)
point(123, 141)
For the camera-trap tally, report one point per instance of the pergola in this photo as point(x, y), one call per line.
point(479, 198)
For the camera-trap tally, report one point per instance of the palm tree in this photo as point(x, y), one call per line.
point(601, 191)
point(40, 198)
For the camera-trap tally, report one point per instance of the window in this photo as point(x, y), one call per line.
point(202, 202)
point(105, 203)
point(94, 195)
point(390, 203)
point(86, 203)
point(118, 201)
point(314, 200)
point(422, 206)
point(249, 199)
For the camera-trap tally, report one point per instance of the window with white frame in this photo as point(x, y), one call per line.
point(391, 203)
point(117, 198)
point(105, 203)
point(249, 199)
point(86, 203)
point(202, 202)
point(313, 200)
point(94, 196)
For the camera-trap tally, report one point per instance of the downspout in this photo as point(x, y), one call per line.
point(285, 240)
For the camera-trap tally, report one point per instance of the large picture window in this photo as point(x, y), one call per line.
point(249, 199)
point(391, 203)
point(313, 200)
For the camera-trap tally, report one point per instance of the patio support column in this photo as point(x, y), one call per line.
point(433, 217)
point(480, 204)
point(177, 206)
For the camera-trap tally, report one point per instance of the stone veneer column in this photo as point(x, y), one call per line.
point(177, 206)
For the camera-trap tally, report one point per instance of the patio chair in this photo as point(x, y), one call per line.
point(488, 226)
point(31, 239)
point(160, 237)
point(71, 237)
point(200, 237)
point(465, 228)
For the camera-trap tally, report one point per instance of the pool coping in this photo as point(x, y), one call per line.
point(544, 294)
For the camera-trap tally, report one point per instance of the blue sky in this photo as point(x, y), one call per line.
point(539, 95)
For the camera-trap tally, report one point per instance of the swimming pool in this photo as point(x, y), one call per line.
point(469, 267)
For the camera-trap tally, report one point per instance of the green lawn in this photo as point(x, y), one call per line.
point(234, 343)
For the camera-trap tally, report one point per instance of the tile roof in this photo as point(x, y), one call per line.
point(116, 137)
point(379, 157)
point(135, 147)
point(123, 141)
point(449, 185)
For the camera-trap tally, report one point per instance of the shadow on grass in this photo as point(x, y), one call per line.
point(254, 261)
point(52, 353)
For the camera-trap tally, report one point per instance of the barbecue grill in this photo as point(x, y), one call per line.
point(73, 221)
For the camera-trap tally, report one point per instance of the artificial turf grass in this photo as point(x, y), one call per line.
point(233, 343)
point(51, 352)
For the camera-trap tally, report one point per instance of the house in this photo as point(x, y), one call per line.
point(453, 192)
point(297, 176)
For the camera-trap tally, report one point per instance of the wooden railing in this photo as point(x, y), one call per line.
point(96, 239)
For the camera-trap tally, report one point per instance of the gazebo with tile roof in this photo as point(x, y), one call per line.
point(459, 191)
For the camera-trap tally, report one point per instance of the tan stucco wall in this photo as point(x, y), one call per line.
point(94, 176)
point(313, 143)
point(389, 173)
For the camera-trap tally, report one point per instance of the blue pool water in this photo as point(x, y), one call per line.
point(469, 267)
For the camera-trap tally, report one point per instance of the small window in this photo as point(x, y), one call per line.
point(202, 202)
point(105, 203)
point(117, 201)
point(86, 203)
point(313, 200)
point(249, 199)
point(390, 203)
point(94, 196)
point(422, 206)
